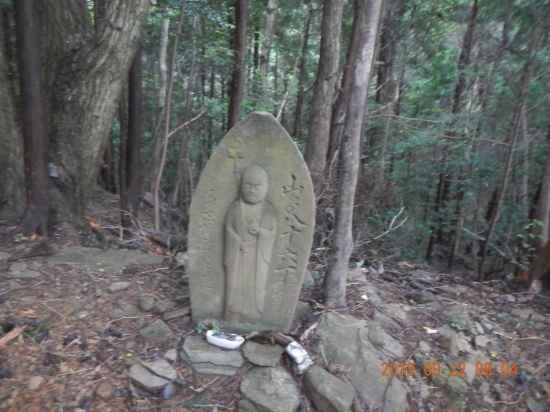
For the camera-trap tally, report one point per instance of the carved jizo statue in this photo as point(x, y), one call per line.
point(250, 230)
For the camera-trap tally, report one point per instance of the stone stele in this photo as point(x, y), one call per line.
point(251, 229)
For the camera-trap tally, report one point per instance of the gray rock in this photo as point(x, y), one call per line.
point(111, 260)
point(537, 317)
point(178, 313)
point(523, 313)
point(26, 274)
point(421, 296)
point(146, 379)
point(449, 339)
point(535, 406)
point(72, 305)
point(18, 267)
point(327, 392)
point(271, 390)
point(125, 309)
point(171, 355)
point(456, 385)
point(396, 309)
point(302, 308)
point(27, 301)
point(161, 307)
point(378, 336)
point(157, 331)
point(372, 294)
point(345, 341)
point(262, 355)
point(4, 256)
point(308, 279)
point(146, 303)
point(424, 346)
point(206, 358)
point(357, 275)
point(386, 322)
point(13, 284)
point(118, 286)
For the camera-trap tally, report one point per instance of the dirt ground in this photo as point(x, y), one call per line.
point(78, 344)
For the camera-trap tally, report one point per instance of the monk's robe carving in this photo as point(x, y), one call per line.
point(250, 231)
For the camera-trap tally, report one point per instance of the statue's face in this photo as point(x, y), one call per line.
point(254, 185)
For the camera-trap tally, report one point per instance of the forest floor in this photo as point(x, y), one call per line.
point(80, 341)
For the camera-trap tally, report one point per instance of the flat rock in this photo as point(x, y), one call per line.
point(110, 260)
point(171, 355)
point(523, 313)
point(27, 300)
point(262, 355)
point(345, 341)
point(128, 309)
point(378, 336)
point(4, 256)
point(271, 390)
point(357, 275)
point(36, 382)
point(26, 274)
point(146, 379)
point(178, 313)
point(206, 358)
point(327, 392)
point(386, 322)
point(118, 286)
point(161, 307)
point(302, 308)
point(18, 266)
point(146, 303)
point(13, 284)
point(157, 331)
point(420, 296)
point(72, 305)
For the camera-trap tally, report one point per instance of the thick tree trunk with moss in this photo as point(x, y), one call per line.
point(85, 71)
point(371, 12)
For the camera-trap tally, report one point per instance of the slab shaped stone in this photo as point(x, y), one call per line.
point(327, 392)
point(251, 229)
point(157, 331)
point(206, 358)
point(262, 355)
point(143, 377)
point(345, 341)
point(271, 390)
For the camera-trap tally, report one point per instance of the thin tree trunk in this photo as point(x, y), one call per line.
point(161, 94)
point(342, 242)
point(129, 203)
point(302, 78)
point(187, 115)
point(35, 134)
point(542, 212)
point(167, 110)
point(321, 108)
point(237, 81)
point(527, 74)
point(266, 48)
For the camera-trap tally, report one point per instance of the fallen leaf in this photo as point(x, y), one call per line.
point(430, 330)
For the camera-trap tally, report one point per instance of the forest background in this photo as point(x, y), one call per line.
point(452, 147)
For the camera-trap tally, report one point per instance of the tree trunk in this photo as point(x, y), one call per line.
point(90, 69)
point(342, 242)
point(321, 107)
point(12, 183)
point(525, 81)
point(180, 165)
point(266, 49)
point(161, 94)
point(35, 134)
point(302, 78)
point(129, 193)
point(542, 213)
point(341, 100)
point(237, 81)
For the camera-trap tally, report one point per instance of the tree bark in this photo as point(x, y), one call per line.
point(129, 192)
point(302, 78)
point(265, 50)
point(12, 183)
point(237, 81)
point(342, 242)
point(542, 213)
point(321, 108)
point(33, 116)
point(90, 69)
